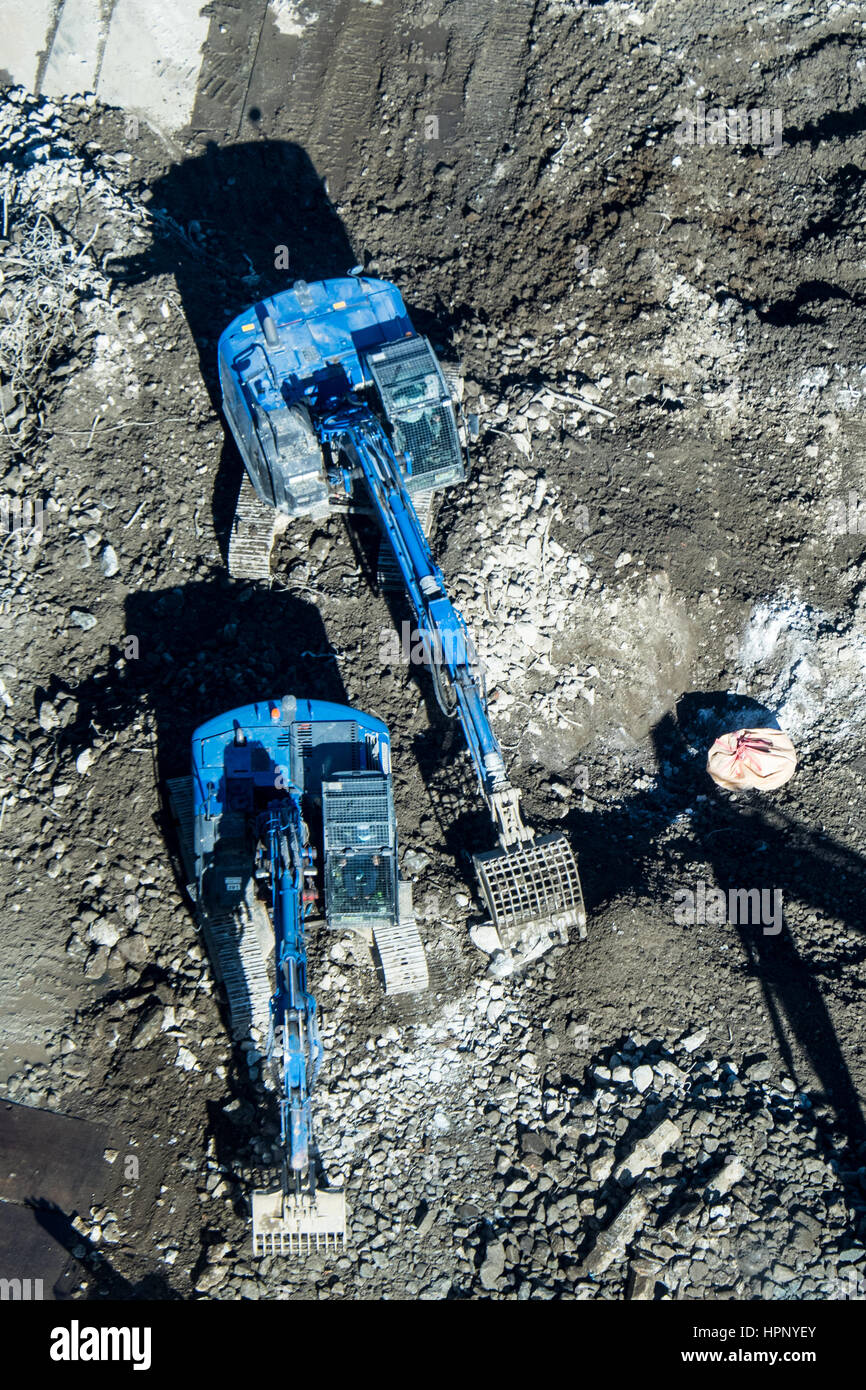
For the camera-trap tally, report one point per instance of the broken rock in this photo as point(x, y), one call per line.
point(611, 1243)
point(103, 933)
point(648, 1152)
point(494, 1264)
point(147, 1029)
point(486, 938)
point(733, 1172)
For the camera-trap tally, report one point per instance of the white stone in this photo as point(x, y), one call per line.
point(486, 938)
point(601, 1168)
point(669, 1071)
point(501, 965)
point(84, 761)
point(527, 633)
point(648, 1152)
point(733, 1172)
point(185, 1060)
point(109, 562)
point(48, 719)
point(102, 932)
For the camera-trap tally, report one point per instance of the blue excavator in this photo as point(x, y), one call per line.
point(287, 822)
point(336, 402)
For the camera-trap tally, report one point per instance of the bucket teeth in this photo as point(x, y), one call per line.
point(533, 894)
point(289, 1225)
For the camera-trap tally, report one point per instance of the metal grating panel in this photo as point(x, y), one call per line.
point(418, 405)
point(358, 813)
point(533, 884)
point(407, 371)
point(433, 444)
point(360, 886)
point(360, 835)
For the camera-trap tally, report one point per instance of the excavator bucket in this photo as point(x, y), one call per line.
point(289, 1225)
point(533, 894)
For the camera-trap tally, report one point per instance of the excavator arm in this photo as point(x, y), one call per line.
point(294, 1041)
point(530, 884)
point(299, 1217)
point(451, 656)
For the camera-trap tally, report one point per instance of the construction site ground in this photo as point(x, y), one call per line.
point(661, 537)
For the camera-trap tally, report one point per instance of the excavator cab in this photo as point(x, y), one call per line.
point(360, 837)
point(417, 403)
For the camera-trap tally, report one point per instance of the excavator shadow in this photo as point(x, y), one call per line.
point(233, 225)
point(191, 651)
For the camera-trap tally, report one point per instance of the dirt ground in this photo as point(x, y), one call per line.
point(663, 536)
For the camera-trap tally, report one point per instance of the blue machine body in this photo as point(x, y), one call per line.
point(295, 359)
point(264, 776)
point(328, 388)
point(324, 330)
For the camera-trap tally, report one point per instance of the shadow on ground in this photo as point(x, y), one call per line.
point(101, 1280)
point(234, 225)
point(745, 842)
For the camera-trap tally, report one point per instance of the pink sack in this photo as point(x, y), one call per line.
point(762, 758)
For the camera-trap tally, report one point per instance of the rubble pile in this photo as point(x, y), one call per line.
point(64, 218)
point(665, 1173)
point(558, 641)
point(519, 603)
point(808, 665)
point(671, 1173)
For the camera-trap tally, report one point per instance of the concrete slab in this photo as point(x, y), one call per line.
point(25, 27)
point(152, 59)
point(46, 1156)
point(74, 57)
point(144, 57)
